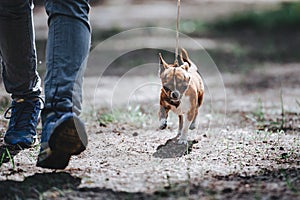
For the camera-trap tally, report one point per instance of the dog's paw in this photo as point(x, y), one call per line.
point(182, 141)
point(163, 124)
point(192, 126)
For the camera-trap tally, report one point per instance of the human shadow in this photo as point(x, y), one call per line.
point(34, 186)
point(63, 185)
point(59, 184)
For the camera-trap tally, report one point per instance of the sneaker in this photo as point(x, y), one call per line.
point(23, 120)
point(63, 135)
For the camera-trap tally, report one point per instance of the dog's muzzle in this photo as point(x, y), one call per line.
point(175, 95)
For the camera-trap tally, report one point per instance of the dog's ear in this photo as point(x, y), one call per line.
point(184, 56)
point(185, 66)
point(162, 64)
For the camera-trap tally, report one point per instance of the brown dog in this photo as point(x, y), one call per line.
point(182, 92)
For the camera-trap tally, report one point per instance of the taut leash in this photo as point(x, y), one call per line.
point(177, 32)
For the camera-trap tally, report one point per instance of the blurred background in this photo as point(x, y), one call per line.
point(238, 35)
point(248, 53)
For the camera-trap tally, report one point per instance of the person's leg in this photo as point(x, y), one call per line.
point(67, 49)
point(17, 49)
point(68, 45)
point(18, 59)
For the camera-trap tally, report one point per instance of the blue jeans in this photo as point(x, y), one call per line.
point(66, 52)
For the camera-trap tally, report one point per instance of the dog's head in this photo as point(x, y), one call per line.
point(174, 77)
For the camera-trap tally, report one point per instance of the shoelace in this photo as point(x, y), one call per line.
point(23, 115)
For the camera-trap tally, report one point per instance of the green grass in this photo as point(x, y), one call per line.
point(2, 158)
point(7, 155)
point(273, 120)
point(259, 113)
point(133, 115)
point(106, 118)
point(258, 116)
point(261, 36)
point(285, 17)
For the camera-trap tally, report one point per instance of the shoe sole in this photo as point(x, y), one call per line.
point(69, 138)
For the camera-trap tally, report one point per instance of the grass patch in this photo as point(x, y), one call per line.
point(286, 17)
point(284, 121)
point(98, 35)
point(136, 116)
point(258, 115)
point(262, 36)
point(106, 118)
point(6, 155)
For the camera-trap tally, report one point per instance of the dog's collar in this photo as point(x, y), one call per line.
point(173, 103)
point(169, 100)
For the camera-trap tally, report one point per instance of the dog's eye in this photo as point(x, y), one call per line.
point(166, 88)
point(181, 83)
point(182, 87)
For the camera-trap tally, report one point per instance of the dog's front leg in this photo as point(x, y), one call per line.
point(180, 119)
point(163, 115)
point(183, 136)
point(188, 119)
point(193, 124)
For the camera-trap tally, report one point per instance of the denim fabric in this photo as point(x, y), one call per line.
point(17, 49)
point(66, 52)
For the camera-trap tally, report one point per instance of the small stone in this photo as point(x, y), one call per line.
point(101, 124)
point(135, 134)
point(227, 190)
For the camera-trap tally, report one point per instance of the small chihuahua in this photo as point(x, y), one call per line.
point(182, 92)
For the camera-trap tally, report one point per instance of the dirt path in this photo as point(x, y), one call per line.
point(227, 161)
point(246, 146)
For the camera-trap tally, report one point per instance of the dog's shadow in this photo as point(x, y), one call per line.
point(171, 149)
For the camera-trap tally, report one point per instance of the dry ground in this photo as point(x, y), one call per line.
point(246, 145)
point(245, 153)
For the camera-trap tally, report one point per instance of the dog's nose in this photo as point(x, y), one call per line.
point(175, 94)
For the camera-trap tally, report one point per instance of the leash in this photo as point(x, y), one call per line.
point(177, 32)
